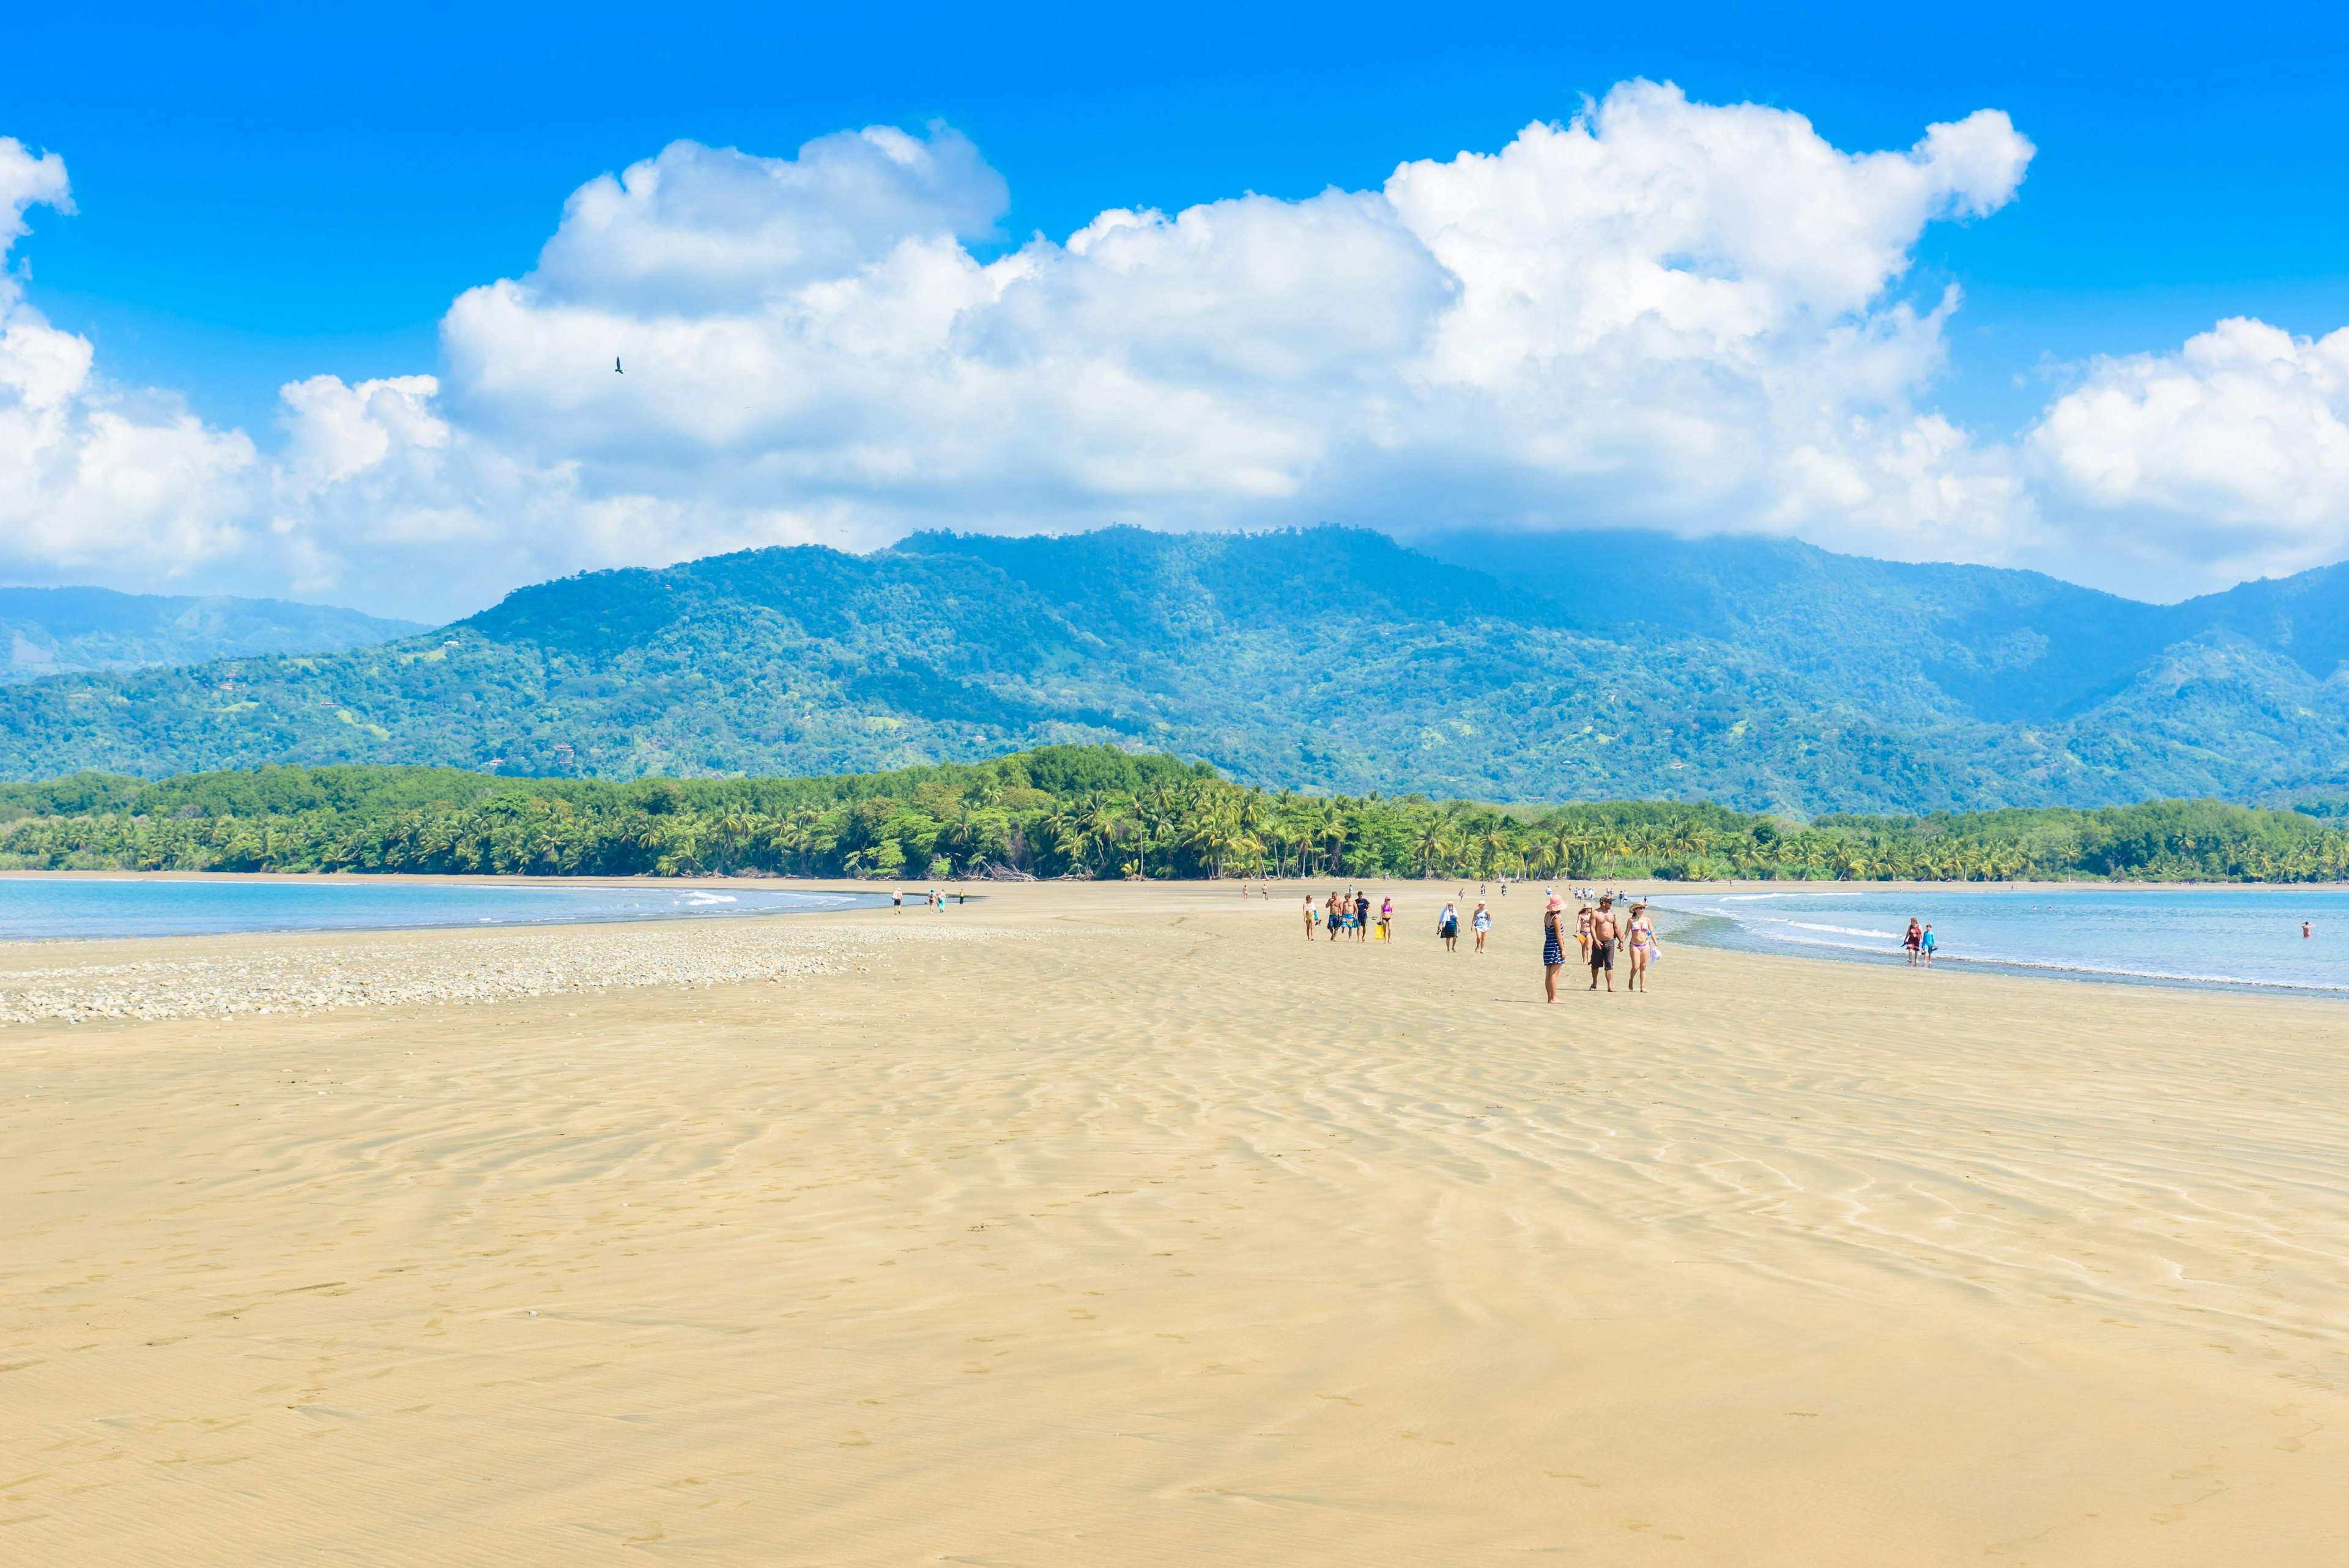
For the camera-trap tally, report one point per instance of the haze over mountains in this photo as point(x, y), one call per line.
point(1762, 674)
point(51, 631)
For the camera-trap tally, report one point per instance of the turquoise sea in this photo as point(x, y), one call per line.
point(2246, 937)
point(43, 908)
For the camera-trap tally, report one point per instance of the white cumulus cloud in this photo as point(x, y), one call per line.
point(93, 478)
point(1658, 312)
point(2228, 458)
point(1662, 312)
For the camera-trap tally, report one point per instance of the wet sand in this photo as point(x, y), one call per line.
point(1141, 1231)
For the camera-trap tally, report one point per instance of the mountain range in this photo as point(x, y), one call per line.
point(1762, 674)
point(53, 631)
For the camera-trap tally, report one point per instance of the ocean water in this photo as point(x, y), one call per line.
point(2231, 937)
point(42, 908)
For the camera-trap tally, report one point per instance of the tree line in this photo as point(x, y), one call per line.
point(1086, 811)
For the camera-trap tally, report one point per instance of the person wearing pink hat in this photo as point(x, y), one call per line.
point(1553, 944)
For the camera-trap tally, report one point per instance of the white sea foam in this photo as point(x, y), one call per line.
point(1842, 930)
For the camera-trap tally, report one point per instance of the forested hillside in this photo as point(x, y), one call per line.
point(1763, 675)
point(1081, 811)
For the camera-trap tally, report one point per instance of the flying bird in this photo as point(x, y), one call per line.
point(616, 366)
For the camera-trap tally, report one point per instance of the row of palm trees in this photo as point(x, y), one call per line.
point(1195, 827)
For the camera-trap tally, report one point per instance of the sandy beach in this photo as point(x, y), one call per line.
point(1115, 1225)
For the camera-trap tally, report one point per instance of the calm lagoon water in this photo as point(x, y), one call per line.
point(2231, 937)
point(41, 908)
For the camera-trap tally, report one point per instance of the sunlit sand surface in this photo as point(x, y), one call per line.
point(1149, 1233)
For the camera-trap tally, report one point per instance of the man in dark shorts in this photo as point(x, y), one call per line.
point(1602, 943)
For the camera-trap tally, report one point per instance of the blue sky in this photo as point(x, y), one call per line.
point(299, 188)
point(286, 193)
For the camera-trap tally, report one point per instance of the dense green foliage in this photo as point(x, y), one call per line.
point(1077, 811)
point(47, 631)
point(1762, 674)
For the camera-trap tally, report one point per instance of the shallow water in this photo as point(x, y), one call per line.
point(2231, 937)
point(44, 909)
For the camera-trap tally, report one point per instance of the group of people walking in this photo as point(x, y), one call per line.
point(1347, 916)
point(1599, 933)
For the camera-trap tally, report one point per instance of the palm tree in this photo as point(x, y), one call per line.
point(1332, 827)
point(1433, 842)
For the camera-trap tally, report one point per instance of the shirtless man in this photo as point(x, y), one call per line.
point(1602, 943)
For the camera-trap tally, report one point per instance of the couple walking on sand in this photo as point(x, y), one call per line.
point(1598, 931)
point(1447, 926)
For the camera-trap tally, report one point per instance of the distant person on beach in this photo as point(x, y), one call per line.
point(1582, 931)
point(1643, 933)
point(1603, 944)
point(1912, 940)
point(1482, 921)
point(1925, 945)
point(1447, 926)
point(1386, 919)
point(1361, 916)
point(1553, 944)
point(1331, 916)
point(1312, 917)
point(896, 897)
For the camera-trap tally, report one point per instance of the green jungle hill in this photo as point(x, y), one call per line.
point(1763, 675)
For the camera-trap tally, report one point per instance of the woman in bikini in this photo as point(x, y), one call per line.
point(1643, 946)
point(1482, 921)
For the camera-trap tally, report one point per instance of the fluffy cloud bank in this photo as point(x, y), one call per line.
point(91, 478)
point(2228, 459)
point(1661, 313)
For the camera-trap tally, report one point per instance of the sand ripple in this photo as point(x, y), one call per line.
point(1164, 1237)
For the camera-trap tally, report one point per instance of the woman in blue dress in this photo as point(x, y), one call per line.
point(1553, 944)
